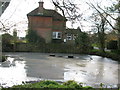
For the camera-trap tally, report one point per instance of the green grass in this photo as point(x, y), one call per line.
point(95, 45)
point(52, 84)
point(115, 55)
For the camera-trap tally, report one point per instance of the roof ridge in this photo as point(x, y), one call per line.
point(46, 13)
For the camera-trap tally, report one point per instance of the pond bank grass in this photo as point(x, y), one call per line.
point(52, 85)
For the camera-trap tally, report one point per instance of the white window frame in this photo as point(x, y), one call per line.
point(74, 37)
point(57, 35)
point(69, 36)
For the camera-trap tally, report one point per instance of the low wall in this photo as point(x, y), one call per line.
point(47, 48)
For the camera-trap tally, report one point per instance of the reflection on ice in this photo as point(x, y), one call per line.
point(13, 72)
point(21, 67)
point(95, 71)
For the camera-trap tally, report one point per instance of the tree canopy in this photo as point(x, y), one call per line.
point(6, 42)
point(82, 41)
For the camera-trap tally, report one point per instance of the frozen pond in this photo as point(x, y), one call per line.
point(89, 69)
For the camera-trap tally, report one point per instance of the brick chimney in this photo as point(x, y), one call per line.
point(40, 9)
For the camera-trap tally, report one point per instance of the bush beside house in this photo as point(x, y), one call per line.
point(7, 42)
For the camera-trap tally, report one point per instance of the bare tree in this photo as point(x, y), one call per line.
point(69, 9)
point(110, 13)
point(100, 25)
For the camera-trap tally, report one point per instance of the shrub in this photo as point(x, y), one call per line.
point(71, 84)
point(112, 45)
point(4, 58)
point(52, 84)
point(6, 42)
point(48, 82)
point(82, 41)
point(116, 51)
point(33, 37)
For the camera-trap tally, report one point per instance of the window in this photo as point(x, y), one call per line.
point(57, 35)
point(74, 37)
point(69, 37)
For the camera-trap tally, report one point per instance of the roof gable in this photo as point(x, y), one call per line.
point(47, 13)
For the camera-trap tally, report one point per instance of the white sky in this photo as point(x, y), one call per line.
point(18, 9)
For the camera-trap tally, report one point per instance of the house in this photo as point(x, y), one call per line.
point(70, 35)
point(48, 24)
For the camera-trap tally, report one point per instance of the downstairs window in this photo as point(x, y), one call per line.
point(57, 35)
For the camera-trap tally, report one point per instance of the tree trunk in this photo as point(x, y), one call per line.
point(101, 35)
point(0, 48)
point(118, 40)
point(102, 41)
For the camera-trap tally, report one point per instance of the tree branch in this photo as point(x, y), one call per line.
point(106, 13)
point(56, 5)
point(91, 5)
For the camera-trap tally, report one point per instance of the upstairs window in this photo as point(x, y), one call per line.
point(57, 35)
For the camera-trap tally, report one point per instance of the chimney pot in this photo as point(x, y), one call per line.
point(40, 7)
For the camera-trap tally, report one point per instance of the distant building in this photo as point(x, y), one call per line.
point(70, 35)
point(50, 25)
point(3, 5)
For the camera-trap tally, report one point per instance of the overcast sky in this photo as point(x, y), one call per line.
point(18, 9)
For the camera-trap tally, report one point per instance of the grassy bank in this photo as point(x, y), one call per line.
point(112, 55)
point(52, 84)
